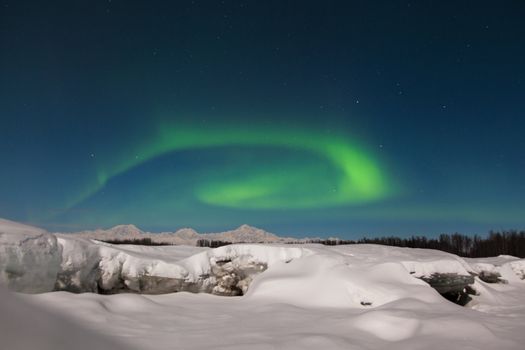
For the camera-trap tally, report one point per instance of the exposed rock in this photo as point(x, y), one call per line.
point(448, 282)
point(157, 285)
point(491, 277)
point(452, 286)
point(233, 276)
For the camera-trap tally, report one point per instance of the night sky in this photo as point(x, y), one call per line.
point(344, 118)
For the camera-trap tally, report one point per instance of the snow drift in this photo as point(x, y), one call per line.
point(29, 258)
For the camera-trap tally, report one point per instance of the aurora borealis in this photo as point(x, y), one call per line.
point(349, 175)
point(341, 118)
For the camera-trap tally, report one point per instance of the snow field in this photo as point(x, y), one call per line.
point(295, 297)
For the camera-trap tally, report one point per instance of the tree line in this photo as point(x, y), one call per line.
point(511, 242)
point(211, 243)
point(135, 241)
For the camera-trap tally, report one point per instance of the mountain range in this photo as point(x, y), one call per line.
point(187, 236)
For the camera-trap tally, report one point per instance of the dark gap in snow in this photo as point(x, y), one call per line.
point(491, 277)
point(452, 286)
point(222, 262)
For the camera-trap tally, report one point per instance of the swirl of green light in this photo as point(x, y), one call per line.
point(357, 177)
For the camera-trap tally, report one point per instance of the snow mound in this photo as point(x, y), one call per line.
point(508, 268)
point(322, 279)
point(518, 267)
point(8, 227)
point(92, 266)
point(29, 258)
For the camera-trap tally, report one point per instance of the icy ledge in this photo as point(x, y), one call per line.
point(41, 262)
point(227, 270)
point(30, 258)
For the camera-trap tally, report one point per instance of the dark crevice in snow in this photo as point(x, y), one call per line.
point(491, 277)
point(453, 287)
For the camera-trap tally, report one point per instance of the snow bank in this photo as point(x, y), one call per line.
point(351, 279)
point(359, 276)
point(35, 261)
point(29, 258)
point(353, 276)
point(508, 268)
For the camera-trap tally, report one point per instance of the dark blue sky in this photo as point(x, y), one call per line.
point(301, 117)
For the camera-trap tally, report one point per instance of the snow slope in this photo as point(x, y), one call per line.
point(295, 296)
point(25, 326)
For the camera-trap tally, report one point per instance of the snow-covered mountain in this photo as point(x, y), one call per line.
point(185, 236)
point(116, 232)
point(245, 233)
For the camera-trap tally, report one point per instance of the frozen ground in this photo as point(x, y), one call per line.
point(303, 297)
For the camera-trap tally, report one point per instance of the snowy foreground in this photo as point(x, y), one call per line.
point(293, 297)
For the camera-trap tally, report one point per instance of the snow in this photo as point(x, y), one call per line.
point(8, 227)
point(203, 321)
point(29, 257)
point(295, 296)
point(24, 325)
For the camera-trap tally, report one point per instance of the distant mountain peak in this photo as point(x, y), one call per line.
point(244, 233)
point(187, 233)
point(129, 227)
point(247, 227)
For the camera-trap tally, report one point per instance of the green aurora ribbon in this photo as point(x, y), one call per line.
point(353, 175)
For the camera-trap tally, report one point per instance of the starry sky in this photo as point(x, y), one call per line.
point(344, 118)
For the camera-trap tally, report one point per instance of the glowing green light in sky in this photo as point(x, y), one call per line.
point(339, 173)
